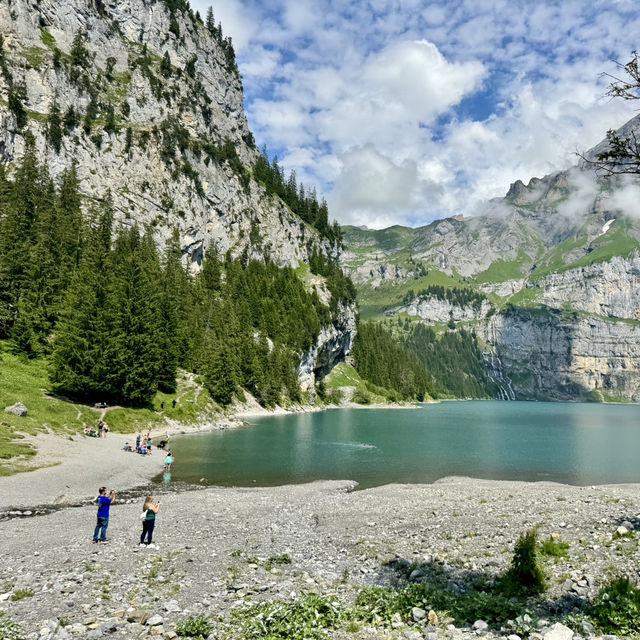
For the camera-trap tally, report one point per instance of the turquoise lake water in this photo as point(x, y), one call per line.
point(578, 444)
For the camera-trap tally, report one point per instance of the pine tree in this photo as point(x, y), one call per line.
point(22, 203)
point(78, 365)
point(54, 127)
point(132, 349)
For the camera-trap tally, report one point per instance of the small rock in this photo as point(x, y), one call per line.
point(17, 409)
point(514, 636)
point(137, 615)
point(627, 525)
point(622, 531)
point(418, 613)
point(588, 629)
point(155, 621)
point(558, 632)
point(480, 625)
point(433, 618)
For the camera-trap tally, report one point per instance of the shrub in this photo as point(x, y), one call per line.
point(554, 548)
point(334, 396)
point(10, 630)
point(361, 396)
point(19, 594)
point(192, 627)
point(616, 608)
point(525, 575)
point(303, 619)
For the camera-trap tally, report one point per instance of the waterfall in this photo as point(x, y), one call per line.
point(497, 375)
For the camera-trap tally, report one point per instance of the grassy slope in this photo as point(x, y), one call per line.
point(26, 381)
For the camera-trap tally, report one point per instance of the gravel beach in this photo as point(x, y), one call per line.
point(223, 549)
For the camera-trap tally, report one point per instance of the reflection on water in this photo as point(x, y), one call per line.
point(572, 443)
point(166, 477)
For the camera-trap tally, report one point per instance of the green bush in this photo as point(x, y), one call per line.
point(334, 396)
point(361, 396)
point(554, 548)
point(525, 575)
point(303, 619)
point(616, 608)
point(192, 627)
point(10, 630)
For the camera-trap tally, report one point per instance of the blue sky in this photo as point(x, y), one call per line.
point(402, 111)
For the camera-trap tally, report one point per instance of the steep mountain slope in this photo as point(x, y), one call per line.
point(557, 265)
point(145, 100)
point(151, 105)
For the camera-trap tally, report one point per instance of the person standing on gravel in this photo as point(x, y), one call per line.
point(149, 512)
point(104, 503)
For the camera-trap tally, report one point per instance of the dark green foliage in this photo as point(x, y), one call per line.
point(199, 628)
point(190, 67)
point(71, 118)
point(54, 127)
point(454, 360)
point(128, 140)
point(165, 65)
point(525, 576)
point(456, 296)
point(340, 285)
point(90, 115)
point(117, 321)
point(110, 120)
point(79, 53)
point(109, 67)
point(271, 176)
point(21, 203)
point(616, 608)
point(17, 96)
point(381, 359)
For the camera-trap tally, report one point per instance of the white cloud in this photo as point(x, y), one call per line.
point(402, 110)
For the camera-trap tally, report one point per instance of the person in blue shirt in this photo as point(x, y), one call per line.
point(104, 501)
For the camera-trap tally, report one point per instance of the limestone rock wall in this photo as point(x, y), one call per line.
point(202, 96)
point(563, 356)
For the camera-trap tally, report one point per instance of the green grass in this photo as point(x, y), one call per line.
point(35, 56)
point(47, 39)
point(503, 270)
point(26, 381)
point(616, 242)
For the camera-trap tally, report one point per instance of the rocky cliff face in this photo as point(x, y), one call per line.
point(173, 111)
point(558, 259)
point(146, 101)
point(548, 354)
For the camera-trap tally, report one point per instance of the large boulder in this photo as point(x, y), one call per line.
point(18, 409)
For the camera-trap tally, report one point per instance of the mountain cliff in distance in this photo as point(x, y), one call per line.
point(548, 277)
point(139, 106)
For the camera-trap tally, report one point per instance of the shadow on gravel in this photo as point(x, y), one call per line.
point(467, 595)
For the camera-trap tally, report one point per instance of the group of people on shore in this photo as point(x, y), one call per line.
point(106, 499)
point(99, 432)
point(144, 446)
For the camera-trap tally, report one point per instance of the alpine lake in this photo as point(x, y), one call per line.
point(578, 444)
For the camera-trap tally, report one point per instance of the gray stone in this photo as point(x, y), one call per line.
point(418, 613)
point(155, 620)
point(17, 409)
point(558, 631)
point(480, 625)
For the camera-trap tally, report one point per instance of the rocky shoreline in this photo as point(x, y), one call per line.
point(224, 550)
